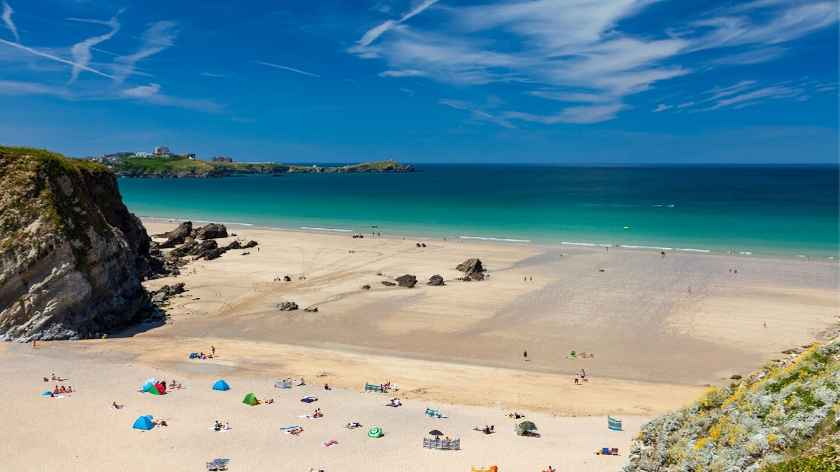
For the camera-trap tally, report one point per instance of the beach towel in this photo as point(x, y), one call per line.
point(331, 442)
point(283, 384)
point(47, 393)
point(309, 399)
point(613, 424)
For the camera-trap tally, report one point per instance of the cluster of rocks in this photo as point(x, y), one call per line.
point(197, 242)
point(472, 268)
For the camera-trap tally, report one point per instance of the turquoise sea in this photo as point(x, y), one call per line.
point(788, 210)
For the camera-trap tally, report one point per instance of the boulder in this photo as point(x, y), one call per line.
point(475, 276)
point(176, 236)
point(166, 292)
point(471, 266)
point(72, 257)
point(365, 287)
point(250, 244)
point(287, 306)
point(435, 281)
point(210, 231)
point(407, 280)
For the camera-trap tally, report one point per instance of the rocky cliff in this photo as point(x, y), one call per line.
point(71, 255)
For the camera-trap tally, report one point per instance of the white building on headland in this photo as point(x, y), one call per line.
point(143, 154)
point(162, 151)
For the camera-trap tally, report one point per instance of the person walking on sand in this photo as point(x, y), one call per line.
point(213, 351)
point(525, 355)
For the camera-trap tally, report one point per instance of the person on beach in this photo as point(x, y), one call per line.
point(525, 355)
point(212, 350)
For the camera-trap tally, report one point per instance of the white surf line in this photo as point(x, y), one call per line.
point(486, 238)
point(336, 230)
point(573, 243)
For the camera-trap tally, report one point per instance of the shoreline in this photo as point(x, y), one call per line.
point(546, 245)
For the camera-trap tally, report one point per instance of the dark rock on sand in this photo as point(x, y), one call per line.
point(286, 278)
point(365, 287)
point(311, 309)
point(388, 283)
point(435, 281)
point(287, 306)
point(176, 236)
point(407, 280)
point(470, 267)
point(166, 292)
point(210, 231)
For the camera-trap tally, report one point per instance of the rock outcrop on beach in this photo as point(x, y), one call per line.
point(210, 231)
point(407, 281)
point(472, 269)
point(162, 295)
point(435, 281)
point(782, 418)
point(176, 236)
point(287, 306)
point(71, 255)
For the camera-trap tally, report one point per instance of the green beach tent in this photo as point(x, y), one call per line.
point(250, 399)
point(375, 432)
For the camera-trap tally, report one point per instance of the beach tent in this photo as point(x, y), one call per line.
point(221, 385)
point(250, 399)
point(526, 427)
point(144, 423)
point(151, 388)
point(375, 432)
point(614, 424)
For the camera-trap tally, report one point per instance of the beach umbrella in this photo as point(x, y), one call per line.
point(221, 385)
point(144, 423)
point(526, 427)
point(435, 433)
point(375, 432)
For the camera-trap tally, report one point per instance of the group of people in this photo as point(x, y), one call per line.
point(218, 426)
point(62, 389)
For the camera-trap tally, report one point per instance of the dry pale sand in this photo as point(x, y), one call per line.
point(661, 328)
point(83, 432)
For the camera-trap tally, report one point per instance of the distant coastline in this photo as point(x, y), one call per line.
point(179, 167)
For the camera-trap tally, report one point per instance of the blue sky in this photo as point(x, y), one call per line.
point(539, 81)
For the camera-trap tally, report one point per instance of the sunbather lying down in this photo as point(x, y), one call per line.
point(487, 429)
point(395, 402)
point(354, 425)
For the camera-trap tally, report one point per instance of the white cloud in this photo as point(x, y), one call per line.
point(662, 107)
point(402, 73)
point(81, 51)
point(151, 93)
point(7, 20)
point(476, 113)
point(157, 37)
point(287, 68)
point(755, 96)
point(576, 51)
point(12, 87)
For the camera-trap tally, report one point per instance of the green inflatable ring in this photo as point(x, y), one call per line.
point(375, 432)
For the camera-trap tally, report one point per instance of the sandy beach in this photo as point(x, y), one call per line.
point(661, 329)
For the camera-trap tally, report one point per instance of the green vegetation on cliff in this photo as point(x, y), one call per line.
point(779, 419)
point(180, 166)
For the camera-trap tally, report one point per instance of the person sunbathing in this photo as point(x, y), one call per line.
point(327, 387)
point(62, 389)
point(354, 425)
point(69, 389)
point(117, 406)
point(217, 426)
point(301, 383)
point(317, 413)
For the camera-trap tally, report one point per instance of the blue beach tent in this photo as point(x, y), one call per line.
point(144, 423)
point(221, 385)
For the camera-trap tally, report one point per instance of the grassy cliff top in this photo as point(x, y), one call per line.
point(788, 413)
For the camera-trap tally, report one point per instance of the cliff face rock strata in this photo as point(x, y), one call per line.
point(71, 255)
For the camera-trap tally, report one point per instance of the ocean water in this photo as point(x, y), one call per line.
point(786, 210)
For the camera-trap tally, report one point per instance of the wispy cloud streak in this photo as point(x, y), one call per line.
point(53, 57)
point(82, 51)
point(7, 20)
point(374, 33)
point(157, 37)
point(287, 68)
